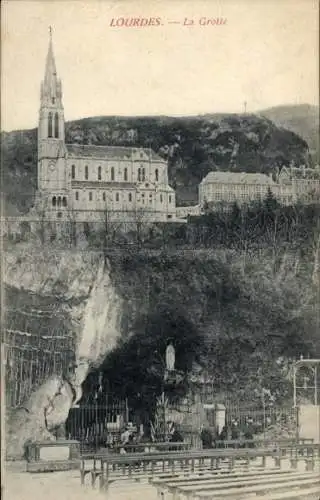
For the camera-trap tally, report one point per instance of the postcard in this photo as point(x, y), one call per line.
point(160, 240)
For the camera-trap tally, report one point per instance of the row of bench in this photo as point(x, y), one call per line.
point(109, 468)
point(276, 483)
point(231, 443)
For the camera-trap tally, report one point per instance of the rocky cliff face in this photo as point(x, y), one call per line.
point(79, 285)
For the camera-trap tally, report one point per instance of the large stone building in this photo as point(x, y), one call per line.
point(303, 182)
point(229, 187)
point(292, 185)
point(87, 181)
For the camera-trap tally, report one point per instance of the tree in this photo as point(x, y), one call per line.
point(140, 219)
point(270, 202)
point(72, 227)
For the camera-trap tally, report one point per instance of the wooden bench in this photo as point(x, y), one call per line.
point(292, 495)
point(243, 487)
point(152, 447)
point(262, 443)
point(104, 467)
point(107, 468)
point(173, 483)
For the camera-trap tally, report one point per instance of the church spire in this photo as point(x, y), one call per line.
point(50, 62)
point(51, 92)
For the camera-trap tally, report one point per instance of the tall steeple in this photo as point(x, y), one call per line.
point(51, 146)
point(51, 89)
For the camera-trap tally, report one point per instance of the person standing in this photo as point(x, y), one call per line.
point(206, 438)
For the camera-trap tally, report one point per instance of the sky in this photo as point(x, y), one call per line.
point(265, 54)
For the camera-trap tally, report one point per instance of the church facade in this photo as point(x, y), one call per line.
point(86, 182)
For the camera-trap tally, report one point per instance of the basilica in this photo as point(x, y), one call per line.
point(87, 181)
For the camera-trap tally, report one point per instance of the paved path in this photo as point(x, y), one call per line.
point(21, 485)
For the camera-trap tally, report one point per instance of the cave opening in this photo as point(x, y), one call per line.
point(131, 378)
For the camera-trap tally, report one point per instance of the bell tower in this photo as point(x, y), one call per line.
point(52, 171)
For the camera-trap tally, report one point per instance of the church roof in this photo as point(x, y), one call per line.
point(237, 178)
point(112, 152)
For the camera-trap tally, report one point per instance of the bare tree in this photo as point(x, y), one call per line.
point(72, 227)
point(140, 219)
point(41, 215)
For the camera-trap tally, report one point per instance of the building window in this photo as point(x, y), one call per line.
point(157, 174)
point(104, 196)
point(53, 100)
point(139, 174)
point(99, 173)
point(117, 196)
point(77, 196)
point(64, 201)
point(169, 198)
point(90, 196)
point(50, 118)
point(130, 196)
point(73, 172)
point(126, 174)
point(86, 172)
point(161, 198)
point(112, 173)
point(54, 201)
point(143, 174)
point(56, 125)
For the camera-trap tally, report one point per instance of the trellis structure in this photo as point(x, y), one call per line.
point(38, 342)
point(30, 359)
point(313, 366)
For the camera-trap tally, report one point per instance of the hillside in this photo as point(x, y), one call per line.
point(237, 293)
point(193, 146)
point(302, 120)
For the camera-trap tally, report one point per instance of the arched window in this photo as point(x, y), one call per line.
point(59, 202)
point(104, 196)
point(157, 174)
point(64, 201)
point(125, 174)
point(56, 125)
point(77, 195)
point(117, 196)
point(169, 198)
point(139, 174)
point(112, 173)
point(143, 174)
point(130, 196)
point(54, 201)
point(90, 196)
point(99, 173)
point(73, 172)
point(161, 199)
point(50, 118)
point(86, 172)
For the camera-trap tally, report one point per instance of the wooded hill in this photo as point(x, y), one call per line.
point(193, 146)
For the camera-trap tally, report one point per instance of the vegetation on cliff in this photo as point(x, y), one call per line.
point(240, 302)
point(193, 147)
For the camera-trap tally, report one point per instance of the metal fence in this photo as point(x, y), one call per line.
point(95, 425)
point(279, 420)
